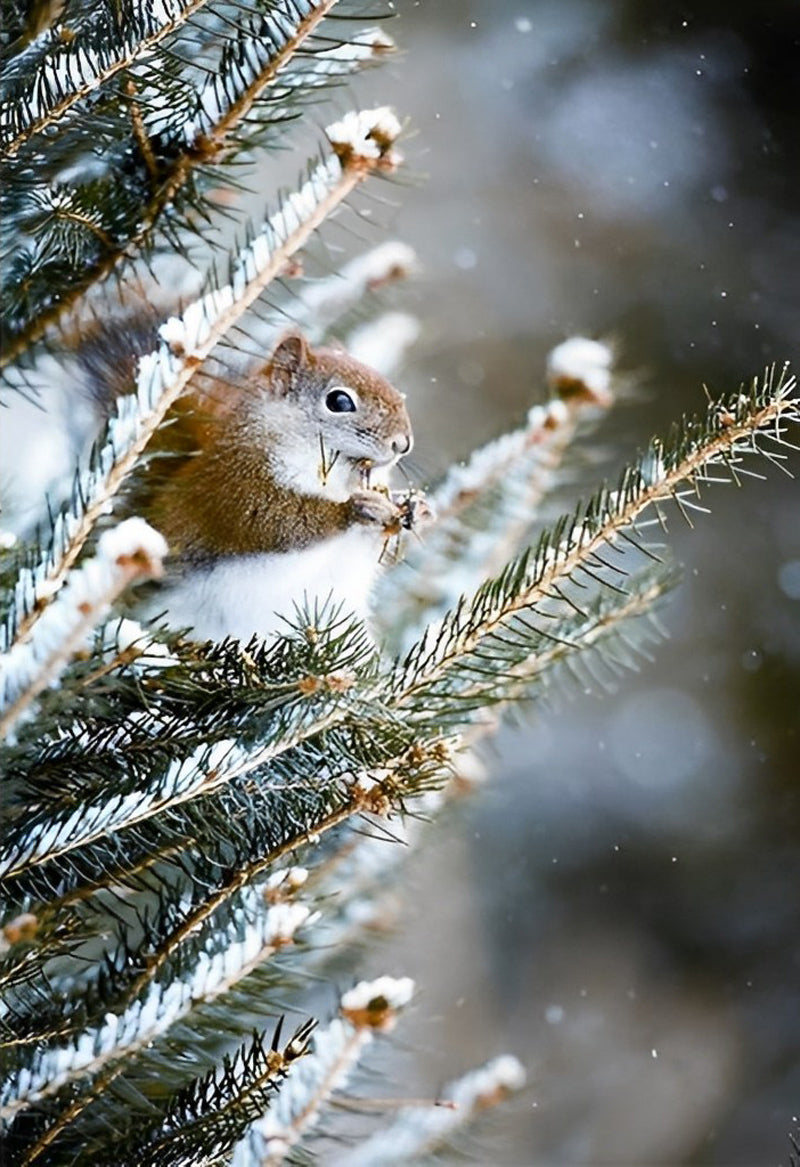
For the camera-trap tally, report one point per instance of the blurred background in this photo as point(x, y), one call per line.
point(618, 905)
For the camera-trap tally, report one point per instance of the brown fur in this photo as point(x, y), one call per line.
point(226, 501)
point(216, 494)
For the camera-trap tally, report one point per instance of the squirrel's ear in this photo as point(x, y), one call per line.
point(290, 355)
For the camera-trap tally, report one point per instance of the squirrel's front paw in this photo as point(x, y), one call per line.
point(415, 511)
point(372, 507)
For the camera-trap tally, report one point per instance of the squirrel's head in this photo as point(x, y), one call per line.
point(351, 409)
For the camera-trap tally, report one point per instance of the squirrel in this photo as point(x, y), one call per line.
point(276, 492)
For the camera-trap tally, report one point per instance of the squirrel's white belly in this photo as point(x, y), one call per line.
point(246, 596)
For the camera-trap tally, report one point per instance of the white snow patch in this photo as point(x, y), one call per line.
point(395, 991)
point(131, 550)
point(132, 539)
point(583, 361)
point(365, 133)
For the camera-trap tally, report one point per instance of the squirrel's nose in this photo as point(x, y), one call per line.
point(402, 443)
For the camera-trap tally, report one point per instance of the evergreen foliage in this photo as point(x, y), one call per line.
point(158, 794)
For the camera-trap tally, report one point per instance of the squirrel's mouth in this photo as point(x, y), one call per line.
point(376, 452)
point(365, 466)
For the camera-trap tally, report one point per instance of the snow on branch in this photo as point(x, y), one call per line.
point(186, 340)
point(44, 838)
point(320, 303)
point(548, 583)
point(259, 59)
point(370, 1007)
point(418, 1131)
point(579, 371)
point(205, 1119)
point(207, 768)
point(579, 367)
point(252, 62)
point(234, 900)
point(131, 551)
point(106, 1050)
point(262, 62)
point(365, 135)
point(305, 703)
point(580, 375)
point(485, 508)
point(66, 70)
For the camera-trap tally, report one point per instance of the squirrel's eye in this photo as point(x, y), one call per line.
point(340, 401)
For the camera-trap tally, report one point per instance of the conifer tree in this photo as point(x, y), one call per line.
point(192, 828)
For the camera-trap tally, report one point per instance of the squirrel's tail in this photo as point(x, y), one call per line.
point(107, 354)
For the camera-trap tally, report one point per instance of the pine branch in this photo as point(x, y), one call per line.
point(221, 123)
point(283, 697)
point(484, 510)
point(259, 923)
point(147, 1003)
point(137, 1038)
point(215, 122)
point(209, 1116)
point(362, 146)
point(25, 953)
point(67, 71)
point(202, 1119)
point(578, 382)
point(323, 302)
point(302, 790)
point(369, 1008)
point(353, 879)
point(191, 993)
point(337, 893)
point(147, 1011)
point(132, 551)
point(275, 818)
point(101, 1053)
point(547, 582)
point(419, 1131)
point(527, 656)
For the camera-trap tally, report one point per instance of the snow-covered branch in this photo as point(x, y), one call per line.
point(418, 1131)
point(321, 303)
point(485, 508)
point(103, 1050)
point(131, 551)
point(255, 61)
point(71, 69)
point(370, 1007)
point(591, 543)
point(382, 343)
